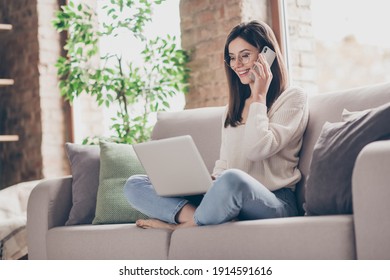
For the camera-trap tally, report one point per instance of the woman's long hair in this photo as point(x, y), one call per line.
point(259, 35)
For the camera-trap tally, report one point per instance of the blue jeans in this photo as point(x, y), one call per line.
point(234, 195)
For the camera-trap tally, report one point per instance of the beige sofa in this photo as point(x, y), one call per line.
point(363, 235)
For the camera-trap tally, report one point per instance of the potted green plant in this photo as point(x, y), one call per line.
point(116, 84)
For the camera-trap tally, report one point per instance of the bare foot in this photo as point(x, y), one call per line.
point(154, 223)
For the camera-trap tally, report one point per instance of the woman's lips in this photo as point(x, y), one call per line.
point(243, 73)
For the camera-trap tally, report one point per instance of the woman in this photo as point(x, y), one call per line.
point(262, 133)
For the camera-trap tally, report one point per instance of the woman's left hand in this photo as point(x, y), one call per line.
point(263, 77)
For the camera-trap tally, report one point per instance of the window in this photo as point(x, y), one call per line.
point(337, 45)
point(128, 48)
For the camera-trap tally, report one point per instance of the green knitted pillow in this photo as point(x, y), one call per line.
point(117, 163)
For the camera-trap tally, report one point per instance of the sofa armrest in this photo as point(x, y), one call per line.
point(48, 206)
point(371, 201)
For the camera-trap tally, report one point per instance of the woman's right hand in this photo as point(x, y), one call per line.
point(262, 80)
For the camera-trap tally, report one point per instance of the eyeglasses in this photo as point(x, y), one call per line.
point(244, 57)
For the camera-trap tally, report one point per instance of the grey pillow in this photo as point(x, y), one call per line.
point(85, 164)
point(328, 186)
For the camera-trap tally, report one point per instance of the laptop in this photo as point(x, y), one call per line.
point(174, 166)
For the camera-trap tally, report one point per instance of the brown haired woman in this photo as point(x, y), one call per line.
point(263, 126)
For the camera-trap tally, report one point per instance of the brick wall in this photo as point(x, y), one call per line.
point(32, 107)
point(54, 124)
point(301, 44)
point(204, 25)
point(20, 103)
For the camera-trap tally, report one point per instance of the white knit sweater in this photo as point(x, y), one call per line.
point(267, 146)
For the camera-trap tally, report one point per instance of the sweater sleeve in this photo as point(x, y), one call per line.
point(221, 163)
point(266, 136)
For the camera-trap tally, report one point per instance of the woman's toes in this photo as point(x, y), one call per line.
point(154, 223)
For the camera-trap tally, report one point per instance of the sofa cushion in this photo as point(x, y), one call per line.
point(293, 238)
point(84, 163)
point(328, 107)
point(349, 116)
point(328, 188)
point(107, 242)
point(117, 163)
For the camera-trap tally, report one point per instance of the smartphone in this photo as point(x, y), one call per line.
point(269, 56)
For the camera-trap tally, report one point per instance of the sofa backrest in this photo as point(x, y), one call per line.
point(204, 124)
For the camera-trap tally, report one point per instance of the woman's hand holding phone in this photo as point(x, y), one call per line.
point(261, 75)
